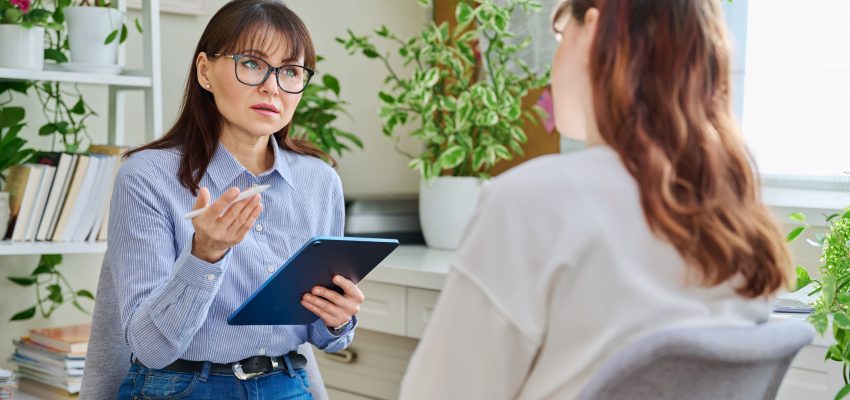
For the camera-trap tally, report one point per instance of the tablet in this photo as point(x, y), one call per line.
point(278, 300)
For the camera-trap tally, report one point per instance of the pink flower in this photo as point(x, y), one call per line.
point(545, 102)
point(23, 5)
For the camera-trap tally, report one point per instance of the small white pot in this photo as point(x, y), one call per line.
point(5, 212)
point(446, 204)
point(88, 28)
point(21, 48)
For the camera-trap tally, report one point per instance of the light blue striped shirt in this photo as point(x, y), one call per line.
point(174, 305)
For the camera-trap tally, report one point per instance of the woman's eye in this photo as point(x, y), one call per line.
point(290, 73)
point(251, 64)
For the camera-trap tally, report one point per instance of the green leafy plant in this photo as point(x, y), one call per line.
point(833, 304)
point(65, 119)
point(122, 31)
point(12, 151)
point(314, 118)
point(52, 289)
point(466, 123)
point(26, 14)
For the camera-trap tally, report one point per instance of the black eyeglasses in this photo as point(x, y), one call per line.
point(253, 71)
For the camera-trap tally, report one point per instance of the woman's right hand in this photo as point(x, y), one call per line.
point(215, 232)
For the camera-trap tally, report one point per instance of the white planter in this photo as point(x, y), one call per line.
point(21, 48)
point(446, 204)
point(5, 211)
point(88, 28)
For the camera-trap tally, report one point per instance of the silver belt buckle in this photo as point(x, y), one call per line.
point(243, 376)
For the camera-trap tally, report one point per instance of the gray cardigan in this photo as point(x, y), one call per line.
point(108, 357)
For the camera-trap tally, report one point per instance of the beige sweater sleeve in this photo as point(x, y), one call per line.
point(469, 350)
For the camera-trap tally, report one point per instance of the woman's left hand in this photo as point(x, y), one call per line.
point(333, 308)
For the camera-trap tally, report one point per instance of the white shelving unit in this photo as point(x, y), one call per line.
point(148, 80)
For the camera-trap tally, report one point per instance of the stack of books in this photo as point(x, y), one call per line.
point(62, 197)
point(7, 384)
point(51, 361)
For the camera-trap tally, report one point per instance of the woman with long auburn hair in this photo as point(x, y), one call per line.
point(169, 283)
point(658, 224)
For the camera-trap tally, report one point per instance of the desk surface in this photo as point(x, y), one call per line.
point(414, 266)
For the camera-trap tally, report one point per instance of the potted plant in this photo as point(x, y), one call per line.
point(51, 287)
point(12, 151)
point(833, 288)
point(22, 24)
point(314, 118)
point(467, 120)
point(95, 29)
point(66, 117)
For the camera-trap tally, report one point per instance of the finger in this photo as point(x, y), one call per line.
point(330, 295)
point(328, 319)
point(221, 204)
point(231, 215)
point(349, 288)
point(244, 212)
point(330, 308)
point(203, 199)
point(249, 222)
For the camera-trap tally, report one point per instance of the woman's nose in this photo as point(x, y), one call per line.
point(270, 85)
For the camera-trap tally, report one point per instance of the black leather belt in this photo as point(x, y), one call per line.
point(251, 367)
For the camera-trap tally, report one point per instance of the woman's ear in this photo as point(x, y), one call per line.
point(587, 30)
point(202, 64)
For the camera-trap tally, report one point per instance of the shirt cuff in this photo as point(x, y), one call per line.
point(322, 333)
point(199, 273)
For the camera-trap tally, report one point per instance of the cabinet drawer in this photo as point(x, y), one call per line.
point(420, 306)
point(372, 366)
point(384, 307)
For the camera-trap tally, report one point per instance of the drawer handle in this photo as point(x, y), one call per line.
point(343, 357)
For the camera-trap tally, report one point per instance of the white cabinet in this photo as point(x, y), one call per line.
point(810, 377)
point(420, 306)
point(384, 308)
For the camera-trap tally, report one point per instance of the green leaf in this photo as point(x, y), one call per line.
point(386, 98)
point(43, 269)
point(80, 307)
point(123, 34)
point(47, 129)
point(830, 217)
point(820, 321)
point(79, 108)
point(22, 280)
point(518, 134)
point(55, 55)
point(463, 13)
point(85, 293)
point(841, 320)
point(331, 83)
point(794, 233)
point(139, 25)
point(55, 293)
point(425, 3)
point(370, 53)
point(26, 314)
point(111, 37)
point(799, 217)
point(452, 157)
point(803, 278)
point(502, 152)
point(843, 392)
point(10, 116)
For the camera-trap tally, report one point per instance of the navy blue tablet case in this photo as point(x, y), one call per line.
point(278, 300)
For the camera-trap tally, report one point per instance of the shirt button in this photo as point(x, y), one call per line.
point(259, 228)
point(270, 268)
point(253, 185)
point(262, 351)
point(210, 277)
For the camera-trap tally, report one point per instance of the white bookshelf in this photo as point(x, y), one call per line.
point(8, 248)
point(148, 80)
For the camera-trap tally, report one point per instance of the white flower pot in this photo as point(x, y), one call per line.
point(88, 28)
point(446, 204)
point(21, 48)
point(5, 212)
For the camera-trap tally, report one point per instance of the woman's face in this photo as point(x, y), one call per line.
point(252, 110)
point(571, 89)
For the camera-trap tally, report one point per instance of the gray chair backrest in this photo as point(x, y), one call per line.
point(702, 363)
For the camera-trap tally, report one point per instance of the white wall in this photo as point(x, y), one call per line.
point(375, 170)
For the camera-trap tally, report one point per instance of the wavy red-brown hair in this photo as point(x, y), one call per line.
point(660, 75)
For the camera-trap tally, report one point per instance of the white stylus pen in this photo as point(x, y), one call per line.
point(242, 196)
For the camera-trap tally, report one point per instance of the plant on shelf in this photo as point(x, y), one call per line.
point(65, 120)
point(12, 151)
point(833, 289)
point(52, 289)
point(467, 119)
point(467, 124)
point(319, 107)
point(26, 13)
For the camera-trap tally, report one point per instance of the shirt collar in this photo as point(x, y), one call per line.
point(224, 168)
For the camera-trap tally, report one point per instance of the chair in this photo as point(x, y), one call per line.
point(702, 363)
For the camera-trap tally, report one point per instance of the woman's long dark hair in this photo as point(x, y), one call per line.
point(239, 25)
point(660, 76)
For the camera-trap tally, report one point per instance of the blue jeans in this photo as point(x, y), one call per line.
point(146, 383)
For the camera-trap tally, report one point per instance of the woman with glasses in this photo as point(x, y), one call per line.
point(656, 225)
point(169, 283)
